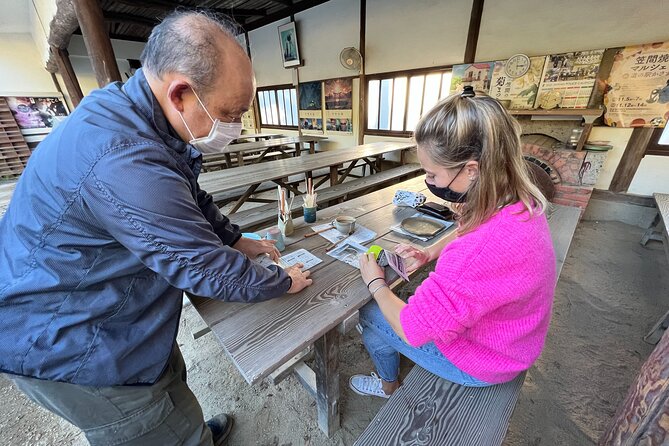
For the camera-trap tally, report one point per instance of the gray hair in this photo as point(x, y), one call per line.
point(184, 42)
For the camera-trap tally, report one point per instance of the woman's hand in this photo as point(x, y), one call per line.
point(413, 257)
point(253, 248)
point(369, 268)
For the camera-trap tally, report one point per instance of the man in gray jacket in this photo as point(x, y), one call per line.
point(108, 226)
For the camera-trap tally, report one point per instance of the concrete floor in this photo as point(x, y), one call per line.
point(610, 293)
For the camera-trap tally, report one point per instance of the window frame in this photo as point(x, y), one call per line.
point(392, 75)
point(653, 148)
point(275, 89)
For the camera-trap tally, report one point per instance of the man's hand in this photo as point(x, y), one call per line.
point(300, 278)
point(253, 248)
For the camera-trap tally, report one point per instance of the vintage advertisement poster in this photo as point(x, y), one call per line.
point(568, 79)
point(339, 121)
point(338, 106)
point(311, 107)
point(339, 94)
point(249, 121)
point(638, 87)
point(311, 122)
point(477, 75)
point(36, 114)
point(520, 91)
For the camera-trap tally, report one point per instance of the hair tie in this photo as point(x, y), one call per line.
point(467, 92)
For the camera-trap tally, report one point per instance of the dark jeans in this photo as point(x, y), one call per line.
point(165, 413)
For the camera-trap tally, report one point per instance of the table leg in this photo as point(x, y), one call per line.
point(312, 147)
point(326, 367)
point(298, 149)
point(334, 175)
point(243, 198)
point(228, 159)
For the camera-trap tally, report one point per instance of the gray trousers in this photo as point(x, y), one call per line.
point(165, 413)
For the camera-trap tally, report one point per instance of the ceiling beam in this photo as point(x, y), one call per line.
point(299, 7)
point(168, 6)
point(129, 19)
point(287, 3)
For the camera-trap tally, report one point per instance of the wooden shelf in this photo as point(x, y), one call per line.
point(559, 112)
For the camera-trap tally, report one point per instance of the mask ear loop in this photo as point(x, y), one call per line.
point(187, 128)
point(205, 108)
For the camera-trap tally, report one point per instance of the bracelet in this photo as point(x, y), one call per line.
point(378, 288)
point(372, 281)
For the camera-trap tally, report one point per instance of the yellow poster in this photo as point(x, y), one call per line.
point(637, 92)
point(521, 90)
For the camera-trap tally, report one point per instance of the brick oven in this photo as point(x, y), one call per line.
point(573, 173)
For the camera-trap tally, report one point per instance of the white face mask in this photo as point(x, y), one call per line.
point(220, 135)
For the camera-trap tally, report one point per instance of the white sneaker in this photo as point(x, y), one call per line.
point(367, 385)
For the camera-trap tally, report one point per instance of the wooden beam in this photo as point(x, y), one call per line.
point(282, 14)
point(629, 163)
point(362, 88)
point(100, 51)
point(473, 35)
point(169, 6)
point(69, 77)
point(130, 19)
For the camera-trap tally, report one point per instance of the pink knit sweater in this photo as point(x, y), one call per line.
point(487, 305)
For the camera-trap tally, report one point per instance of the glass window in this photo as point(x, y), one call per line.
point(278, 107)
point(396, 103)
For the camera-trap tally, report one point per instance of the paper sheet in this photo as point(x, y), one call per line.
point(348, 252)
point(361, 234)
point(300, 256)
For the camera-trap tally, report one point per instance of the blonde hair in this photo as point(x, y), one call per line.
point(463, 128)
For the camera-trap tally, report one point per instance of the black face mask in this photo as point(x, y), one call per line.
point(446, 193)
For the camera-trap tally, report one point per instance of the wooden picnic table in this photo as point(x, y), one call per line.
point(264, 147)
point(257, 137)
point(252, 176)
point(261, 338)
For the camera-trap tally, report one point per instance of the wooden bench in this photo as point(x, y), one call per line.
point(658, 231)
point(257, 216)
point(430, 411)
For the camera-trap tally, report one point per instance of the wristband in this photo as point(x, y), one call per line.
point(378, 288)
point(372, 281)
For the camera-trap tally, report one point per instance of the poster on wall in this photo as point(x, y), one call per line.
point(248, 120)
point(339, 105)
point(36, 115)
point(339, 94)
point(339, 121)
point(638, 87)
point(478, 75)
point(290, 54)
point(520, 90)
point(568, 79)
point(311, 107)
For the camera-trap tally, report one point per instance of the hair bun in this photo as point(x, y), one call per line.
point(468, 92)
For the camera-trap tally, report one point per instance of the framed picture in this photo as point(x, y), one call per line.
point(290, 54)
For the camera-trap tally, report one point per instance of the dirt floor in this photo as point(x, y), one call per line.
point(610, 293)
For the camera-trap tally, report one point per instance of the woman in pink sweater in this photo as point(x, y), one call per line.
point(481, 317)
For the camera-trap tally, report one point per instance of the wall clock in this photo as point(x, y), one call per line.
point(517, 65)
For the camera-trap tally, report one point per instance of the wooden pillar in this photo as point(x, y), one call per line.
point(629, 163)
point(100, 51)
point(67, 72)
point(473, 35)
point(362, 89)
